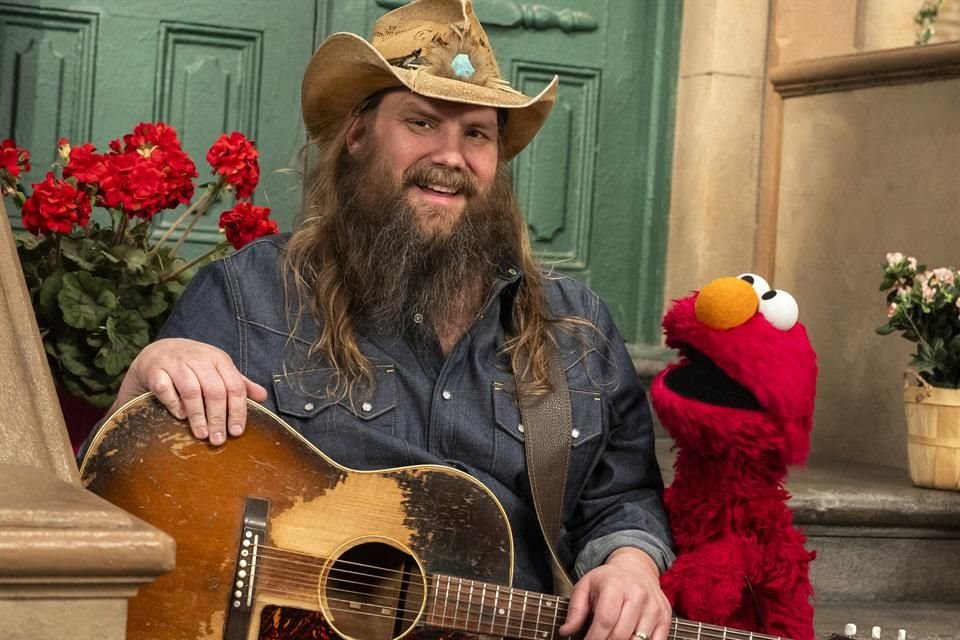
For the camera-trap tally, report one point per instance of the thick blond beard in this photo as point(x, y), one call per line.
point(314, 285)
point(401, 279)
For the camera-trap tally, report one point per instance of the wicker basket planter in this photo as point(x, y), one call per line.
point(933, 436)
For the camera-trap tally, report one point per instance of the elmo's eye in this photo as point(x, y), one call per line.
point(759, 284)
point(779, 308)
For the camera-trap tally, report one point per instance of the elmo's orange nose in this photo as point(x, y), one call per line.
point(726, 303)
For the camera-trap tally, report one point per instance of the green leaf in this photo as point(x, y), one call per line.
point(134, 258)
point(81, 251)
point(150, 305)
point(73, 358)
point(28, 240)
point(86, 300)
point(47, 296)
point(127, 334)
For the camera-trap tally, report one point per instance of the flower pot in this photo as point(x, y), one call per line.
point(933, 436)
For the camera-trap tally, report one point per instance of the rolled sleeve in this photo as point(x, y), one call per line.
point(596, 551)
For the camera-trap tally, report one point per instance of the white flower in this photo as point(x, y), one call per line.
point(892, 310)
point(893, 259)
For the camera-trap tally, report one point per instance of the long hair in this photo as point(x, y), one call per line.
point(315, 285)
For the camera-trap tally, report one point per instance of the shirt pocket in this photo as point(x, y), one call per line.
point(303, 395)
point(586, 434)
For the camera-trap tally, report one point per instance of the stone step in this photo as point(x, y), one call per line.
point(921, 620)
point(877, 537)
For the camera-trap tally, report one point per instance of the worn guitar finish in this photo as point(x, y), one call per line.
point(414, 521)
point(276, 541)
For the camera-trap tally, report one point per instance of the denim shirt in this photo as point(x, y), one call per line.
point(427, 408)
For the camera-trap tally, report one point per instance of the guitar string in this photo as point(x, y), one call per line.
point(313, 577)
point(707, 632)
point(695, 630)
point(561, 604)
point(501, 600)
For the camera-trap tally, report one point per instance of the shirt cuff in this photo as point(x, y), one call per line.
point(596, 552)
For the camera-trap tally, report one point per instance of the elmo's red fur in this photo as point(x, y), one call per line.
point(741, 563)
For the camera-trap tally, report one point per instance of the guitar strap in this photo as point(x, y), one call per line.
point(547, 423)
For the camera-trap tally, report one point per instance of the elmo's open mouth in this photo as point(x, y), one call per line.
point(698, 378)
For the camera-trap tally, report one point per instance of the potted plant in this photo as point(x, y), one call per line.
point(102, 279)
point(924, 306)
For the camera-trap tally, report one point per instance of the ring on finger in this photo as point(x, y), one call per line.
point(640, 635)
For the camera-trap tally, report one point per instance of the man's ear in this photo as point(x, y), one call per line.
point(355, 133)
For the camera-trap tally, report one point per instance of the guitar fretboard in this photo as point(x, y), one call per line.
point(487, 609)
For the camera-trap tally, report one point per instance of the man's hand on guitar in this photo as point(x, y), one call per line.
point(196, 382)
point(623, 595)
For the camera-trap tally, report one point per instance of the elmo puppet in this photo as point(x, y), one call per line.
point(739, 406)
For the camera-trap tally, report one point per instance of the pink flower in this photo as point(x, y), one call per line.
point(943, 275)
point(892, 310)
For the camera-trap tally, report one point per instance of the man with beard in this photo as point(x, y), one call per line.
point(402, 320)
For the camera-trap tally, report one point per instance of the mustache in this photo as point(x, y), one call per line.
point(424, 174)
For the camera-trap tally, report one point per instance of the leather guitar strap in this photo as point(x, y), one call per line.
point(547, 423)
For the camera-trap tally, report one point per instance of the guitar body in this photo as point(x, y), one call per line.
point(354, 547)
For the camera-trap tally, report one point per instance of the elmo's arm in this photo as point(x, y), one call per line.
point(709, 582)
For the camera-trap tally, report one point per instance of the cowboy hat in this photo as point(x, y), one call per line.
point(435, 48)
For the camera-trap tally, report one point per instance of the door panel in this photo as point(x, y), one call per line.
point(204, 67)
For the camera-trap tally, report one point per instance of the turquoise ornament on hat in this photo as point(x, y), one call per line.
point(461, 65)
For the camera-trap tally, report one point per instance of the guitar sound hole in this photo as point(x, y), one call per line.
point(373, 591)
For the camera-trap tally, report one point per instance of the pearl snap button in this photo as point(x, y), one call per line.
point(308, 406)
point(446, 395)
point(520, 428)
point(366, 406)
point(575, 434)
point(418, 318)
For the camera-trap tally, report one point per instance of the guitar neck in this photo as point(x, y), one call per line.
point(458, 604)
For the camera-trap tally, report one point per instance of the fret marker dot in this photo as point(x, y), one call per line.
point(501, 611)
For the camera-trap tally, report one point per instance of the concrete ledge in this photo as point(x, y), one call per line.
point(54, 534)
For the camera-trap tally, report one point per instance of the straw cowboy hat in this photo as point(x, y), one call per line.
point(435, 48)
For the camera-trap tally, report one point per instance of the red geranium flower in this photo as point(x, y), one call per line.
point(55, 207)
point(247, 222)
point(13, 159)
point(84, 164)
point(148, 173)
point(235, 158)
point(148, 136)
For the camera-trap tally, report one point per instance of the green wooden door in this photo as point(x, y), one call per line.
point(92, 71)
point(594, 184)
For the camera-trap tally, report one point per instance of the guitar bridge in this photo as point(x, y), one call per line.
point(253, 533)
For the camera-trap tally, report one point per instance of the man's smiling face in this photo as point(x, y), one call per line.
point(440, 153)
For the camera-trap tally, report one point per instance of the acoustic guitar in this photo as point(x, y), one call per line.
point(275, 541)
